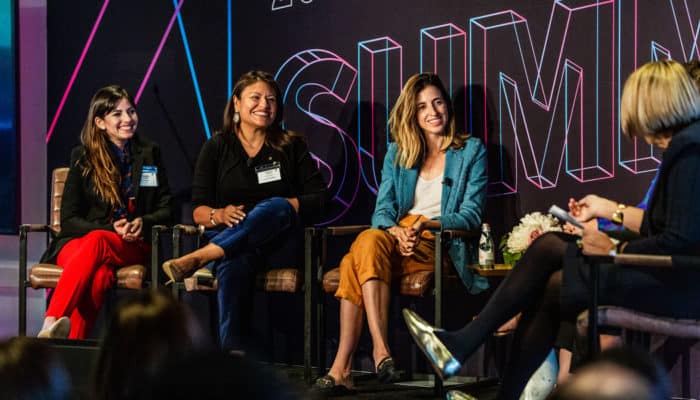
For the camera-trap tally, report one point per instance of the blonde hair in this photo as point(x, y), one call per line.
point(403, 123)
point(659, 99)
point(98, 160)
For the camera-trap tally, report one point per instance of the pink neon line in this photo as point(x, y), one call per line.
point(636, 15)
point(76, 70)
point(484, 100)
point(613, 102)
point(160, 47)
point(372, 101)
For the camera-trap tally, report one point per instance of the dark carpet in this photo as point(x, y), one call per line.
point(367, 387)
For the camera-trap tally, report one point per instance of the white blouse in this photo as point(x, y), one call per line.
point(427, 197)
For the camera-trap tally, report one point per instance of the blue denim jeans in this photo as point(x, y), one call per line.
point(270, 236)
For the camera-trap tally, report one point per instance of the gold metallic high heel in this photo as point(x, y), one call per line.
point(175, 272)
point(457, 395)
point(424, 335)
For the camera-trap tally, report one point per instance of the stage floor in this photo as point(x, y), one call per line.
point(367, 387)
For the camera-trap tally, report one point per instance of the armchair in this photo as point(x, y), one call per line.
point(418, 284)
point(284, 280)
point(44, 276)
point(589, 320)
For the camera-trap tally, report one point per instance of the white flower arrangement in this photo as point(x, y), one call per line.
point(531, 226)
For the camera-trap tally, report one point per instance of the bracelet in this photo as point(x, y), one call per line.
point(615, 250)
point(618, 217)
point(211, 217)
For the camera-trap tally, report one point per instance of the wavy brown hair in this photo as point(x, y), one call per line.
point(403, 123)
point(98, 161)
point(276, 136)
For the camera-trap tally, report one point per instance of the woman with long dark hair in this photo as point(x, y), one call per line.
point(115, 191)
point(253, 184)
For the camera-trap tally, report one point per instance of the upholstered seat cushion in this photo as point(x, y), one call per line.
point(415, 284)
point(630, 319)
point(275, 280)
point(42, 276)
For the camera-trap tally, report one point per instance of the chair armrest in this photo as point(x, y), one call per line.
point(156, 230)
point(657, 261)
point(643, 260)
point(189, 230)
point(344, 230)
point(459, 233)
point(26, 228)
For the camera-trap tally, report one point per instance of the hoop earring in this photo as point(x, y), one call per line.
point(236, 117)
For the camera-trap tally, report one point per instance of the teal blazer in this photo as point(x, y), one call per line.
point(462, 203)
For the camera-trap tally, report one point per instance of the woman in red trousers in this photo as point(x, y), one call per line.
point(116, 190)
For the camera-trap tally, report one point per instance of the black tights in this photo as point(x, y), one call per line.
point(532, 287)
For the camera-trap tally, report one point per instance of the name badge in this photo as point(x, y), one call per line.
point(268, 172)
point(149, 176)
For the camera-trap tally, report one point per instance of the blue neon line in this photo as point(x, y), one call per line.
point(229, 50)
point(422, 31)
point(190, 63)
point(451, 84)
point(695, 43)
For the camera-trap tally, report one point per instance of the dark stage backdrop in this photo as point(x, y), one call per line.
point(538, 81)
point(9, 139)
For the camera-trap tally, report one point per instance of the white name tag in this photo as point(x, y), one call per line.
point(149, 176)
point(268, 172)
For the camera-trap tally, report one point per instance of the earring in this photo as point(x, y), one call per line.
point(236, 117)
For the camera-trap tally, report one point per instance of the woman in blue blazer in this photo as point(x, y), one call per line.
point(433, 178)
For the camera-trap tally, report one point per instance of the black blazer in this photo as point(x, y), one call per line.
point(83, 211)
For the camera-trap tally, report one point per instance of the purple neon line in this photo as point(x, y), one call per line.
point(157, 54)
point(76, 69)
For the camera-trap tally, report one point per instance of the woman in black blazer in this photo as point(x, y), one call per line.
point(116, 190)
point(660, 104)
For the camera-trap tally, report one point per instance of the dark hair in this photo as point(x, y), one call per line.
point(30, 370)
point(143, 334)
point(693, 68)
point(276, 135)
point(98, 157)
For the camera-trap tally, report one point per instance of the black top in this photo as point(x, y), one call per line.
point(671, 223)
point(226, 175)
point(82, 210)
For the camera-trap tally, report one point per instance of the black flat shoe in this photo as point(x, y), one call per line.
point(442, 360)
point(325, 386)
point(386, 371)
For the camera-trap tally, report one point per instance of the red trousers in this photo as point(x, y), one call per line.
point(88, 272)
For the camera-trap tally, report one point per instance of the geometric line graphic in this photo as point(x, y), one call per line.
point(76, 69)
point(157, 53)
point(190, 63)
point(554, 85)
point(380, 76)
point(310, 80)
point(443, 51)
